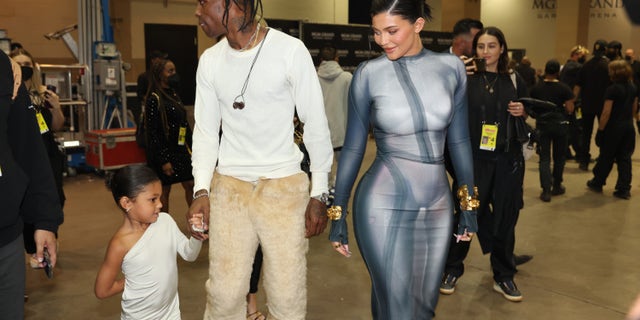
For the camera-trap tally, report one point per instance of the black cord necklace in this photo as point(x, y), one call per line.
point(489, 85)
point(238, 101)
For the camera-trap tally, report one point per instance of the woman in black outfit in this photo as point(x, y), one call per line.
point(616, 136)
point(168, 132)
point(50, 119)
point(498, 164)
point(27, 190)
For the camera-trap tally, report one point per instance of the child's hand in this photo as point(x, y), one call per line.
point(197, 223)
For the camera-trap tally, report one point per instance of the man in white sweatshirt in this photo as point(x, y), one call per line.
point(249, 84)
point(335, 90)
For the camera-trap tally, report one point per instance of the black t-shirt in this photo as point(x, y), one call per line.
point(623, 95)
point(556, 92)
point(593, 79)
point(569, 73)
point(635, 67)
point(528, 74)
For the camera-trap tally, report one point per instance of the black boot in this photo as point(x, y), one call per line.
point(545, 195)
point(558, 190)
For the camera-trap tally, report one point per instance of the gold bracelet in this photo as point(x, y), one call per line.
point(468, 202)
point(334, 212)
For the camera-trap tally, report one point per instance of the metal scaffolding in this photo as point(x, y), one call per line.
point(93, 18)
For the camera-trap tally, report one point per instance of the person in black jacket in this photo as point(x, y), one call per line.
point(46, 106)
point(27, 190)
point(498, 165)
point(593, 80)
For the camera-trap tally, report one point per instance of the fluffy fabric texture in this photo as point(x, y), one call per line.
point(243, 214)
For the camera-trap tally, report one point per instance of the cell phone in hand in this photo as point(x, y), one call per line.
point(48, 269)
point(51, 88)
point(481, 64)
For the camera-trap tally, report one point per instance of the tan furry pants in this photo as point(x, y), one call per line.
point(270, 212)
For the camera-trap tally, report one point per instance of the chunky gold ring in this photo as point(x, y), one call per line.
point(336, 246)
point(334, 212)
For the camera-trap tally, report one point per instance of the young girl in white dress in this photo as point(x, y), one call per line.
point(144, 249)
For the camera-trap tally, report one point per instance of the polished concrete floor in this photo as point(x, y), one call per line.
point(586, 248)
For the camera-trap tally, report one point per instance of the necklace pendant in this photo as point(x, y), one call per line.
point(490, 90)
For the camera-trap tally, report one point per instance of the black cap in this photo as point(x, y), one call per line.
point(552, 67)
point(600, 46)
point(615, 45)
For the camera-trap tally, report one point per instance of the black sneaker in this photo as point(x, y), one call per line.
point(519, 259)
point(593, 186)
point(545, 195)
point(509, 290)
point(622, 194)
point(448, 284)
point(558, 190)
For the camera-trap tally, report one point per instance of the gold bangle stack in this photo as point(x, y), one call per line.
point(334, 212)
point(468, 202)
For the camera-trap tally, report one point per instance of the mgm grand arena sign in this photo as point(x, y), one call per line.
point(546, 9)
point(594, 4)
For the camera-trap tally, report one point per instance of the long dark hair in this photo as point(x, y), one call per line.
point(155, 82)
point(130, 180)
point(409, 10)
point(155, 86)
point(503, 61)
point(251, 9)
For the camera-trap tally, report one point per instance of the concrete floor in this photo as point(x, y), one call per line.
point(585, 266)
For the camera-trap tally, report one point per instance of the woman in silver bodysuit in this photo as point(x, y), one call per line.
point(402, 210)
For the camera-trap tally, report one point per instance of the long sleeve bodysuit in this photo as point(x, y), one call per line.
point(402, 209)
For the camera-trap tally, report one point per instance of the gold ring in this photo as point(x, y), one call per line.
point(336, 246)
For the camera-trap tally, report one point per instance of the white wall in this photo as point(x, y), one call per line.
point(154, 12)
point(28, 21)
point(317, 11)
point(182, 12)
point(612, 24)
point(533, 29)
point(523, 27)
point(436, 12)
